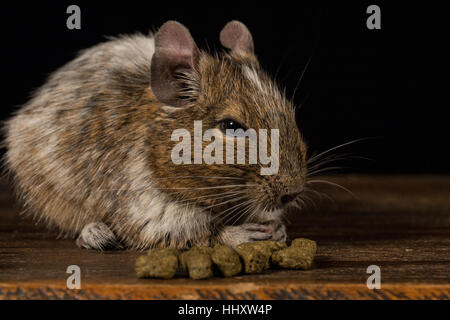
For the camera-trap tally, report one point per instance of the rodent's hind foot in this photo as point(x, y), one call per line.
point(97, 236)
point(251, 232)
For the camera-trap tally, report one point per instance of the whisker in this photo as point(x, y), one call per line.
point(320, 194)
point(243, 212)
point(194, 201)
point(297, 204)
point(312, 173)
point(334, 158)
point(255, 211)
point(309, 200)
point(207, 188)
point(301, 203)
point(215, 196)
point(286, 219)
point(236, 208)
point(203, 188)
point(318, 156)
point(225, 202)
point(232, 209)
point(301, 77)
point(332, 184)
point(328, 159)
point(203, 177)
point(239, 214)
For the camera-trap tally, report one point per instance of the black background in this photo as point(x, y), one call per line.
point(390, 85)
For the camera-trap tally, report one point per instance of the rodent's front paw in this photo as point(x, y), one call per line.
point(97, 236)
point(251, 232)
point(277, 230)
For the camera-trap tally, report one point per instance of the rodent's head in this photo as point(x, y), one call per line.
point(227, 91)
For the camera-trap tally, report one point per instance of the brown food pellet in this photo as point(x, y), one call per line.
point(300, 255)
point(226, 260)
point(157, 263)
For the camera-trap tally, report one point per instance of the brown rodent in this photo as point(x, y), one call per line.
point(91, 152)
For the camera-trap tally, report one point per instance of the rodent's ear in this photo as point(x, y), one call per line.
point(236, 36)
point(176, 54)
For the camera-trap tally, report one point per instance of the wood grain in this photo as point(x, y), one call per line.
point(400, 223)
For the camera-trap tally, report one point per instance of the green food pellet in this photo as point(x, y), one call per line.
point(255, 260)
point(198, 262)
point(157, 263)
point(198, 249)
point(227, 260)
point(269, 247)
point(203, 249)
point(266, 248)
point(253, 257)
point(300, 255)
point(305, 243)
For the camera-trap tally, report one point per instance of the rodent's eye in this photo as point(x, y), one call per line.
point(231, 124)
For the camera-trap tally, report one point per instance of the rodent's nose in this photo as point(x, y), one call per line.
point(287, 198)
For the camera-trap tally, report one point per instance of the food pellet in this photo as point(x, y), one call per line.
point(300, 255)
point(199, 249)
point(267, 248)
point(226, 260)
point(255, 260)
point(157, 263)
point(252, 258)
point(306, 244)
point(198, 262)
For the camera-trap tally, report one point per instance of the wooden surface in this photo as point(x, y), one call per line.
point(400, 223)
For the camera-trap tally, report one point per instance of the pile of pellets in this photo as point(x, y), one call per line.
point(205, 262)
